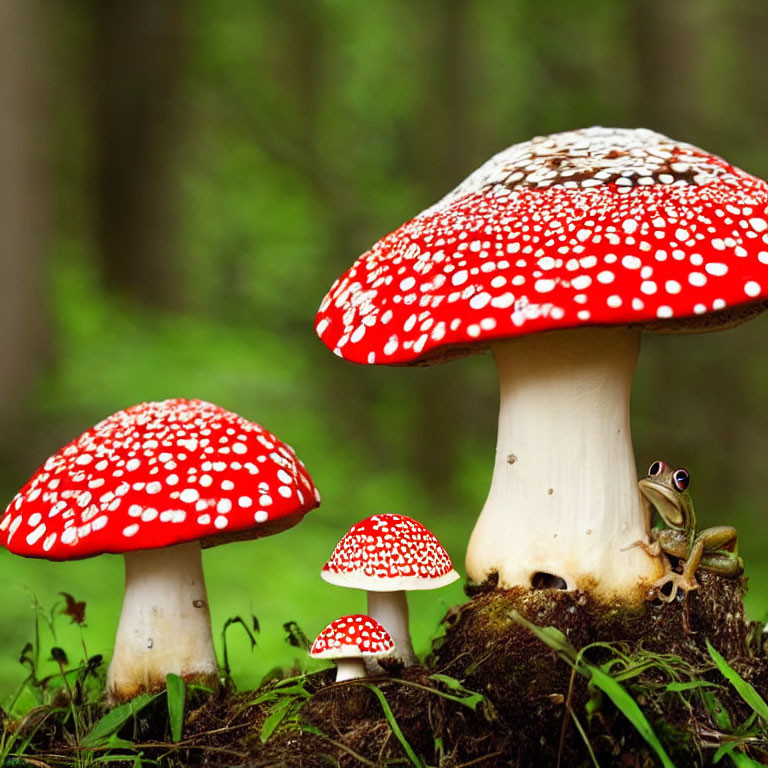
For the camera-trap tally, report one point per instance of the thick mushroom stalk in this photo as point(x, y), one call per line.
point(350, 669)
point(165, 625)
point(390, 609)
point(564, 507)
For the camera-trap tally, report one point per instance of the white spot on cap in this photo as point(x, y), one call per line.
point(544, 286)
point(759, 225)
point(459, 277)
point(480, 300)
point(581, 282)
point(154, 487)
point(189, 495)
point(664, 312)
point(221, 522)
point(34, 536)
point(132, 464)
point(605, 277)
point(223, 506)
point(245, 502)
point(716, 268)
point(129, 530)
point(631, 262)
point(629, 226)
point(752, 289)
point(672, 286)
point(614, 301)
point(261, 516)
point(241, 447)
point(697, 279)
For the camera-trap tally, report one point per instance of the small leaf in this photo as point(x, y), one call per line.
point(25, 657)
point(689, 686)
point(75, 609)
point(175, 695)
point(59, 655)
point(115, 719)
point(743, 688)
point(273, 720)
point(296, 636)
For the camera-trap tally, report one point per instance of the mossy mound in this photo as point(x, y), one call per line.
point(494, 693)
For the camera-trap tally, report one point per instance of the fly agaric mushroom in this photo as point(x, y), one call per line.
point(349, 640)
point(154, 483)
point(386, 555)
point(592, 236)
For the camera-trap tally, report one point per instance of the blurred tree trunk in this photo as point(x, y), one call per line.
point(24, 212)
point(138, 63)
point(444, 153)
point(666, 40)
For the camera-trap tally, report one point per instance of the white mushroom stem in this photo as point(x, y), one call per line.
point(165, 625)
point(349, 669)
point(390, 609)
point(564, 499)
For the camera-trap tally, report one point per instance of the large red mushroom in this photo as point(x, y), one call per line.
point(555, 255)
point(155, 483)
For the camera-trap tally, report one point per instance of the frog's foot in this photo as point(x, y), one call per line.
point(653, 548)
point(678, 581)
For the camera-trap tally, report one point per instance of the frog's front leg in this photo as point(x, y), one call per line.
point(721, 551)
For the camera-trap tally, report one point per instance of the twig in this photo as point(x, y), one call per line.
point(566, 711)
point(479, 759)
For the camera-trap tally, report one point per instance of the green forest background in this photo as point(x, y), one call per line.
point(182, 180)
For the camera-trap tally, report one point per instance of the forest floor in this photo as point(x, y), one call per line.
point(518, 678)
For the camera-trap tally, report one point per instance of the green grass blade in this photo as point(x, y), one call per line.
point(743, 688)
point(629, 708)
point(740, 760)
point(399, 735)
point(176, 693)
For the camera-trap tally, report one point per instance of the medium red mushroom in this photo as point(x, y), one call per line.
point(155, 483)
point(348, 641)
point(388, 555)
point(556, 254)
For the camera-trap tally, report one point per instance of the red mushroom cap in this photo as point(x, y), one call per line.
point(387, 553)
point(159, 474)
point(600, 226)
point(352, 637)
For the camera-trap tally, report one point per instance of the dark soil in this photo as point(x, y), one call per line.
point(531, 698)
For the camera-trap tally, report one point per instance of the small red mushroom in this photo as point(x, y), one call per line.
point(155, 483)
point(556, 254)
point(348, 641)
point(387, 555)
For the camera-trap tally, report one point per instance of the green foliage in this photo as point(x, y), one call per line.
point(283, 701)
point(176, 694)
point(745, 690)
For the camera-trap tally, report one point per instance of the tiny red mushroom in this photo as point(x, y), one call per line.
point(387, 555)
point(348, 641)
point(154, 483)
point(590, 236)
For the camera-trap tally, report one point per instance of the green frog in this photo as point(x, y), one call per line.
point(713, 549)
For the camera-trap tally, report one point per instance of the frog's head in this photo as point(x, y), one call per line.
point(667, 490)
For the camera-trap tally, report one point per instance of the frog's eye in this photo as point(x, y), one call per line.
point(681, 479)
point(656, 468)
